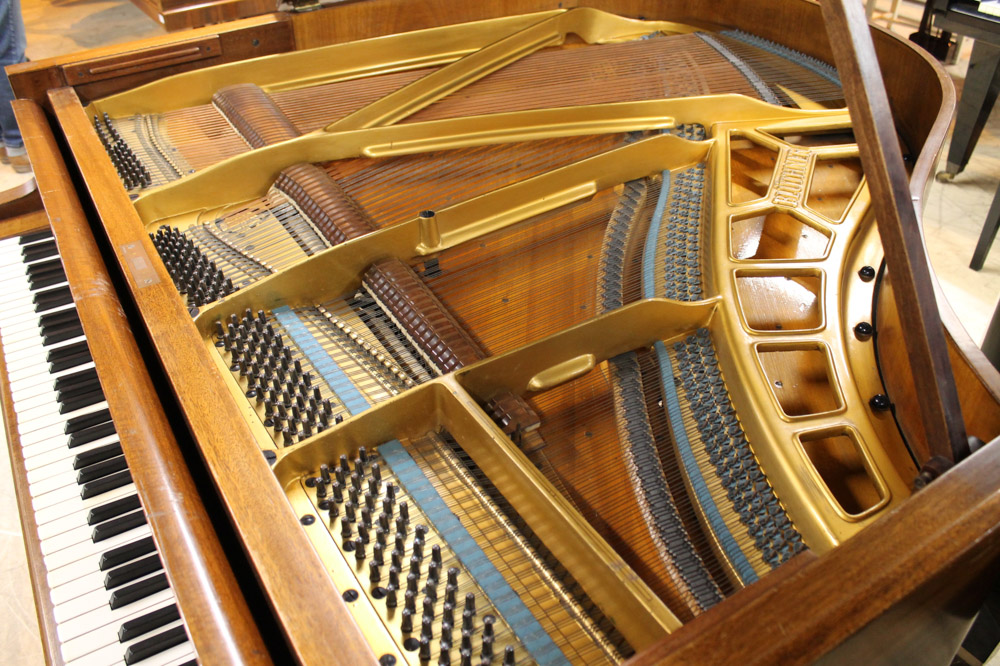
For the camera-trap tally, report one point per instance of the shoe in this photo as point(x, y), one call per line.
point(17, 158)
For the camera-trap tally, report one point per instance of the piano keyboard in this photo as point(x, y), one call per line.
point(111, 598)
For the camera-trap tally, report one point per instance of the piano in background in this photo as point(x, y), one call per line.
point(852, 599)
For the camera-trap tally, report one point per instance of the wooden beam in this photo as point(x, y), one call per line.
point(854, 56)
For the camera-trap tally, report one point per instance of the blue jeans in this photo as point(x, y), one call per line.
point(12, 43)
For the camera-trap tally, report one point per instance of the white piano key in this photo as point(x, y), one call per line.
point(75, 568)
point(67, 521)
point(38, 465)
point(67, 555)
point(38, 430)
point(113, 654)
point(88, 602)
point(25, 386)
point(79, 507)
point(77, 647)
point(105, 615)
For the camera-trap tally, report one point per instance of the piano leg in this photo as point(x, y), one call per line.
point(982, 84)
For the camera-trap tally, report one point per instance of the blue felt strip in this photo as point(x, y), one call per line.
point(517, 616)
point(322, 362)
point(652, 237)
point(732, 549)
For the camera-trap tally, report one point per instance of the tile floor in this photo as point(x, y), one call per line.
point(953, 216)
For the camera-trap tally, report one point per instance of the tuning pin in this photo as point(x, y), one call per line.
point(376, 473)
point(345, 529)
point(426, 627)
point(436, 554)
point(380, 536)
point(411, 582)
point(448, 615)
point(377, 551)
point(394, 577)
point(374, 487)
point(404, 511)
point(370, 501)
point(366, 516)
point(470, 603)
point(418, 549)
point(406, 625)
point(415, 565)
point(334, 509)
point(363, 535)
point(337, 491)
point(428, 608)
point(359, 549)
point(349, 511)
point(468, 621)
point(488, 626)
point(487, 649)
point(383, 521)
point(390, 492)
point(374, 573)
point(390, 596)
point(425, 649)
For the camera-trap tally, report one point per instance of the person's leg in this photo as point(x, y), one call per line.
point(12, 45)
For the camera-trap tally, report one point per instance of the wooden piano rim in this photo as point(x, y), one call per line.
point(850, 614)
point(218, 621)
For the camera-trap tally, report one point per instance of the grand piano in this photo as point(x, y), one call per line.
point(500, 332)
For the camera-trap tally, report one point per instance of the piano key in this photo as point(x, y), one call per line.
point(96, 455)
point(50, 298)
point(73, 568)
point(80, 377)
point(43, 458)
point(40, 425)
point(112, 509)
point(92, 580)
point(140, 589)
point(80, 401)
point(92, 419)
point(155, 644)
point(91, 434)
point(101, 469)
point(74, 548)
point(57, 448)
point(115, 526)
point(126, 552)
point(75, 644)
point(50, 519)
point(137, 627)
point(154, 653)
point(119, 599)
point(110, 482)
point(87, 622)
point(131, 571)
point(41, 250)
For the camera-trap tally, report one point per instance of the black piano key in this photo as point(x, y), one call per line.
point(52, 298)
point(126, 553)
point(91, 434)
point(103, 468)
point(62, 332)
point(35, 236)
point(92, 456)
point(51, 319)
point(74, 379)
point(105, 483)
point(87, 420)
point(66, 351)
point(116, 526)
point(132, 571)
point(78, 389)
point(81, 401)
point(66, 362)
point(155, 645)
point(38, 251)
point(124, 596)
point(114, 508)
point(43, 268)
point(46, 277)
point(148, 622)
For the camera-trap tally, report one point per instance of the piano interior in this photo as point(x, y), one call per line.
point(547, 327)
